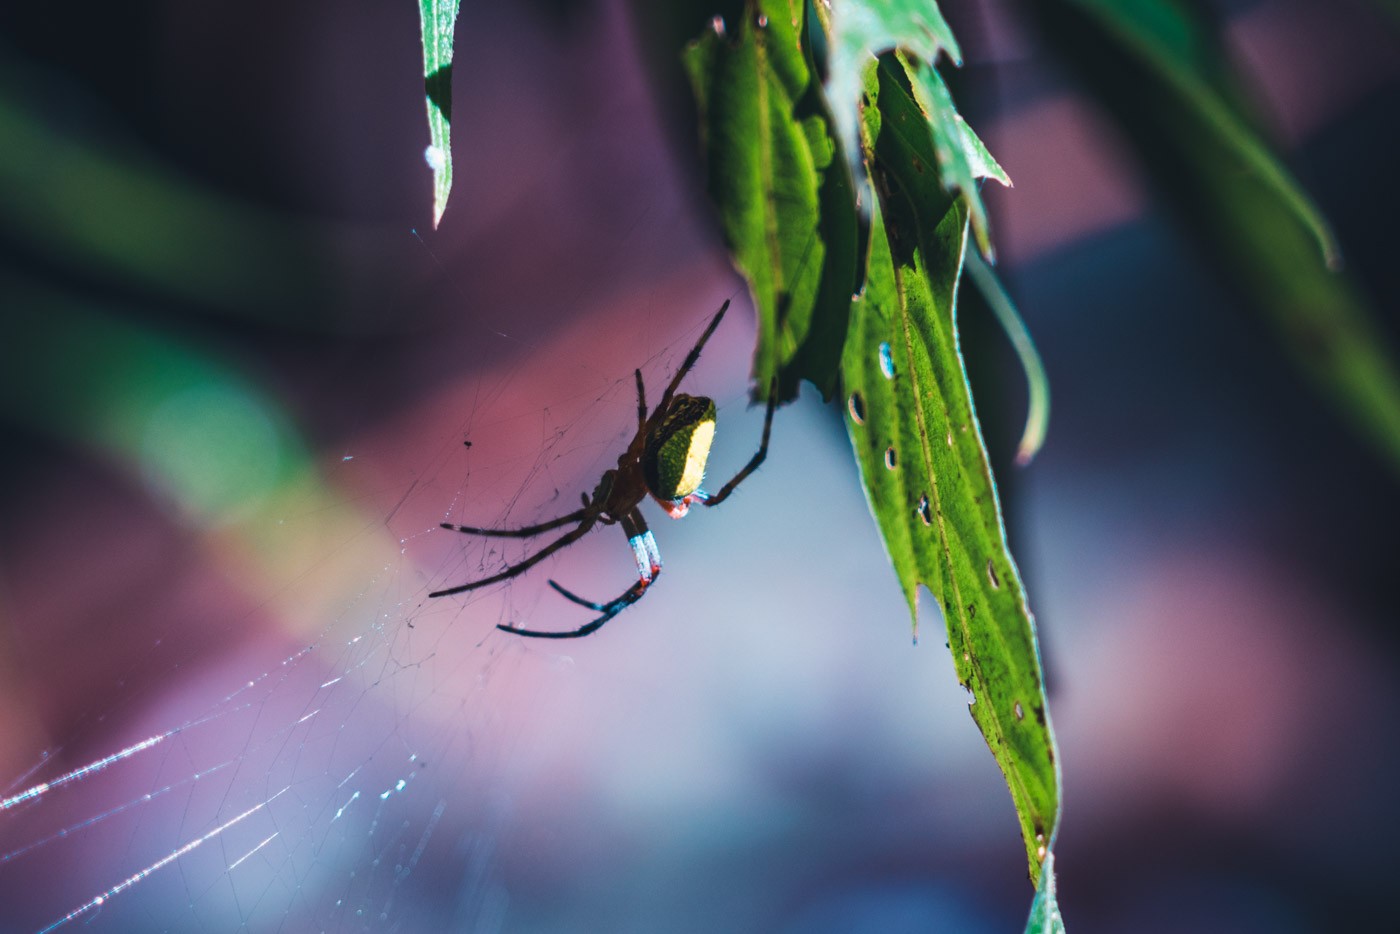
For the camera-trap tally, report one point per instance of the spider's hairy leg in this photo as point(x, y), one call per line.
point(714, 499)
point(641, 402)
point(566, 539)
point(524, 531)
point(691, 358)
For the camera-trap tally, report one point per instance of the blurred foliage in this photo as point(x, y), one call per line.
point(1158, 69)
point(137, 222)
point(123, 275)
point(207, 443)
point(1038, 381)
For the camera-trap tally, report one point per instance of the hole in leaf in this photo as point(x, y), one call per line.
point(856, 405)
point(992, 575)
point(924, 512)
point(890, 458)
point(886, 361)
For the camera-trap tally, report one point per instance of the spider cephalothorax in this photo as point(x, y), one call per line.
point(665, 459)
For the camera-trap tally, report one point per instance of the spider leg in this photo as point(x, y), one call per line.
point(567, 538)
point(568, 634)
point(641, 403)
point(691, 358)
point(648, 569)
point(578, 515)
point(714, 499)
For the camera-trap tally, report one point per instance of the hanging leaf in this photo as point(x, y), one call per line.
point(914, 428)
point(783, 197)
point(438, 19)
point(787, 211)
point(1038, 411)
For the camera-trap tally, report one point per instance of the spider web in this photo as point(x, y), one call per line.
point(358, 757)
point(304, 789)
point(276, 730)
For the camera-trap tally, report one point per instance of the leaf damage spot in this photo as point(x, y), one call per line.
point(886, 361)
point(856, 406)
point(992, 575)
point(891, 459)
point(924, 512)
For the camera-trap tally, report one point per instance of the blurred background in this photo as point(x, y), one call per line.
point(244, 381)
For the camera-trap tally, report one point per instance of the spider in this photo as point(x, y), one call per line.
point(666, 460)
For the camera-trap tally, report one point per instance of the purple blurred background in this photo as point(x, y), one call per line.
point(239, 383)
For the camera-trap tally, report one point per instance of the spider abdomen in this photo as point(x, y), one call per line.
point(674, 458)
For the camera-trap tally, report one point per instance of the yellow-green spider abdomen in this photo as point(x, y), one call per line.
point(673, 461)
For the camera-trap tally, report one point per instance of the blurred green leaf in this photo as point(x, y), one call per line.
point(131, 218)
point(914, 429)
point(1169, 38)
point(205, 441)
point(439, 20)
point(1038, 411)
point(1391, 7)
point(783, 198)
point(1156, 67)
point(202, 439)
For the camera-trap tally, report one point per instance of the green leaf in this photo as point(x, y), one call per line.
point(864, 29)
point(962, 158)
point(438, 18)
point(1157, 68)
point(914, 429)
point(1170, 41)
point(1038, 412)
point(784, 200)
point(1045, 912)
